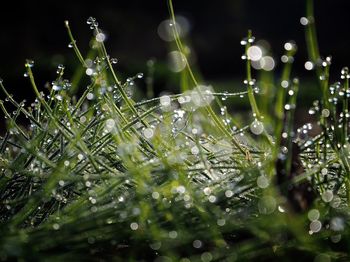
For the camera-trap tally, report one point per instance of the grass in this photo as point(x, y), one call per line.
point(179, 177)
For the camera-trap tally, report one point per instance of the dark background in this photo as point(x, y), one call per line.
point(35, 30)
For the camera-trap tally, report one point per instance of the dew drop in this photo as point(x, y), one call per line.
point(89, 71)
point(114, 60)
point(304, 21)
point(256, 127)
point(262, 182)
point(313, 214)
point(165, 100)
point(309, 65)
point(148, 132)
point(315, 226)
point(100, 37)
point(134, 226)
point(327, 196)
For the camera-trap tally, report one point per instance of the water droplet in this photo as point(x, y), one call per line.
point(155, 195)
point(92, 22)
point(90, 96)
point(195, 150)
point(139, 75)
point(254, 53)
point(148, 132)
point(288, 46)
point(134, 226)
point(244, 42)
point(337, 224)
point(114, 60)
point(315, 226)
point(313, 214)
point(110, 124)
point(304, 21)
point(228, 193)
point(197, 244)
point(100, 37)
point(221, 222)
point(89, 71)
point(29, 63)
point(284, 59)
point(165, 101)
point(327, 196)
point(312, 111)
point(256, 127)
point(267, 205)
point(309, 65)
point(173, 234)
point(207, 191)
point(262, 182)
point(284, 83)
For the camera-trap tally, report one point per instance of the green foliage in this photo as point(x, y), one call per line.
point(100, 176)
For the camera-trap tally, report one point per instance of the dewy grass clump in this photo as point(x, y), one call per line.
point(176, 178)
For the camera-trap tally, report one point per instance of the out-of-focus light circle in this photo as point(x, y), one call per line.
point(257, 65)
point(254, 53)
point(267, 63)
point(100, 37)
point(177, 61)
point(166, 28)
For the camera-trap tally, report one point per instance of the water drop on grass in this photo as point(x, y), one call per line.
point(327, 196)
point(90, 96)
point(165, 101)
point(29, 63)
point(89, 71)
point(313, 215)
point(315, 226)
point(221, 222)
point(256, 127)
point(309, 65)
point(195, 150)
point(304, 21)
point(148, 132)
point(337, 224)
point(197, 244)
point(114, 60)
point(100, 37)
point(262, 182)
point(134, 226)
